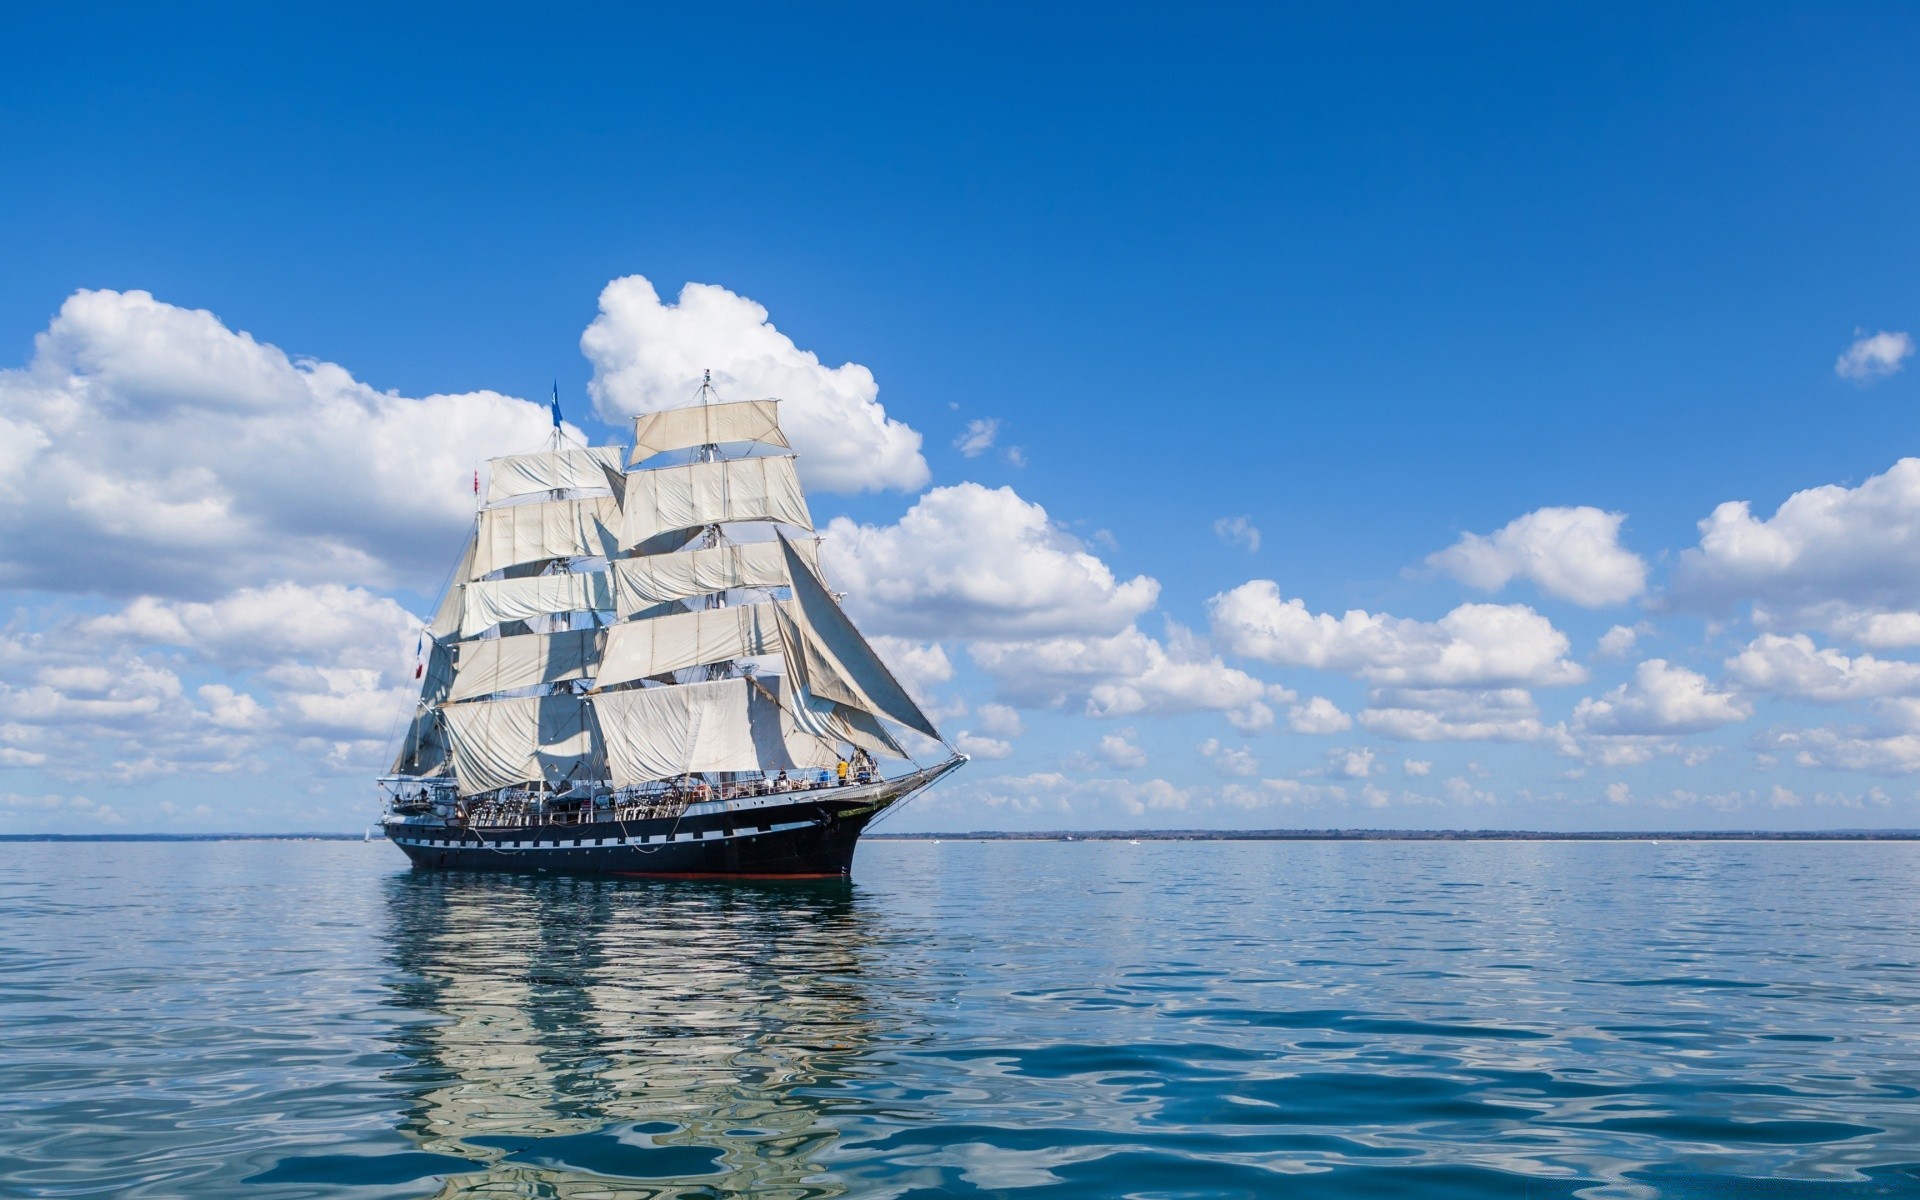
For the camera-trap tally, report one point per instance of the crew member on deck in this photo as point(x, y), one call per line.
point(843, 772)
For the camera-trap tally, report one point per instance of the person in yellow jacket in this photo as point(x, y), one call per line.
point(843, 772)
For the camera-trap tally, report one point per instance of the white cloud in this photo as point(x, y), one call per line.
point(1318, 715)
point(1238, 531)
point(1351, 764)
point(977, 438)
point(1618, 642)
point(1124, 675)
point(1795, 668)
point(1417, 767)
point(1873, 356)
point(1661, 699)
point(1822, 748)
point(1452, 715)
point(971, 561)
point(999, 720)
point(1120, 750)
point(1572, 553)
point(151, 449)
point(1474, 645)
point(648, 355)
point(976, 746)
point(1235, 762)
point(919, 665)
point(1254, 717)
point(1049, 793)
point(1835, 559)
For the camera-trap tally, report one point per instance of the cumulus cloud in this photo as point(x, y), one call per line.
point(976, 746)
point(999, 720)
point(1841, 560)
point(1127, 674)
point(1238, 531)
point(1417, 767)
point(977, 438)
point(1474, 645)
point(1873, 356)
point(1572, 553)
point(1619, 641)
point(1318, 715)
point(1235, 762)
point(1355, 763)
point(1119, 749)
point(1453, 715)
point(1661, 699)
point(150, 448)
point(1846, 749)
point(648, 355)
point(972, 561)
point(1794, 667)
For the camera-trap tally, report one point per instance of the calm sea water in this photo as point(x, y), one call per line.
point(1020, 1019)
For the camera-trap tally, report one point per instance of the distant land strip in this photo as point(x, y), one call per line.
point(1411, 835)
point(1157, 835)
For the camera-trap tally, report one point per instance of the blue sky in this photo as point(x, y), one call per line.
point(1371, 279)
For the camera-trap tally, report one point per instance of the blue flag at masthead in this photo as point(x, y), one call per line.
point(556, 404)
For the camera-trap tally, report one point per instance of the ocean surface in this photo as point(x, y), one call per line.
point(1035, 1019)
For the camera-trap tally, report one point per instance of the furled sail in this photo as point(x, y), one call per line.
point(509, 663)
point(498, 743)
point(706, 425)
point(550, 471)
point(825, 629)
point(656, 645)
point(708, 493)
point(527, 533)
point(489, 602)
point(662, 732)
point(639, 583)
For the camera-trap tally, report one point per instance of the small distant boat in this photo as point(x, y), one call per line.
point(593, 696)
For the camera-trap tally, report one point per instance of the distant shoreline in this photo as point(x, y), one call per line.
point(1156, 835)
point(1412, 835)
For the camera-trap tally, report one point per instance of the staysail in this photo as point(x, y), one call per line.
point(825, 628)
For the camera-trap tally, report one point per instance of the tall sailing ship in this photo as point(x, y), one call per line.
point(642, 671)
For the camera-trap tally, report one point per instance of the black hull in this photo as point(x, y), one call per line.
point(795, 835)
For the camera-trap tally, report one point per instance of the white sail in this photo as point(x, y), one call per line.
point(490, 602)
point(525, 533)
point(550, 471)
point(709, 493)
point(524, 660)
point(653, 646)
point(814, 728)
point(705, 425)
point(824, 627)
point(446, 619)
point(640, 583)
point(424, 749)
point(498, 743)
point(662, 732)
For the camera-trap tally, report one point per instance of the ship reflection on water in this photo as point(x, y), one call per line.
point(574, 1037)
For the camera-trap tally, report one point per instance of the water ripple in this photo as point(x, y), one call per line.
point(1086, 1019)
